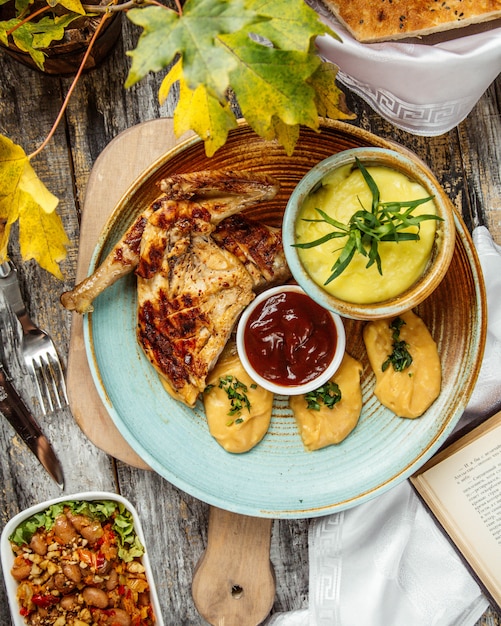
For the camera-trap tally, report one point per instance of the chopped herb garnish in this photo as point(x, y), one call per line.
point(386, 221)
point(328, 394)
point(237, 395)
point(400, 358)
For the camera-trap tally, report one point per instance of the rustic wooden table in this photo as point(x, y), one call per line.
point(466, 161)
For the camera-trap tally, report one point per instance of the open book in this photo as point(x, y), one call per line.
point(461, 486)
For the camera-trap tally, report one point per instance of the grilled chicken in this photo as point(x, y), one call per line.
point(220, 188)
point(191, 288)
point(122, 260)
point(222, 192)
point(258, 246)
point(190, 292)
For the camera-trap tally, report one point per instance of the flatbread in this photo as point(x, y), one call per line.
point(384, 20)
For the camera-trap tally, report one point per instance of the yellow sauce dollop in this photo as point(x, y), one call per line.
point(325, 427)
point(245, 430)
point(342, 194)
point(410, 392)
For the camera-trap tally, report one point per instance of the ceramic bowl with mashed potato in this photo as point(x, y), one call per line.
point(369, 233)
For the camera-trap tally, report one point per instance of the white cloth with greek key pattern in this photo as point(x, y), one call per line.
point(385, 562)
point(424, 89)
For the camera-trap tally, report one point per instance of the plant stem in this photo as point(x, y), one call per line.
point(109, 9)
point(72, 87)
point(28, 19)
point(112, 8)
point(126, 6)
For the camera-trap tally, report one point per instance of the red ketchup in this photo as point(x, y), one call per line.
point(290, 339)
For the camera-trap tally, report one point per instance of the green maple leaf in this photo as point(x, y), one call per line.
point(33, 37)
point(272, 83)
point(21, 5)
point(5, 28)
point(262, 49)
point(288, 25)
point(49, 29)
point(151, 53)
point(192, 36)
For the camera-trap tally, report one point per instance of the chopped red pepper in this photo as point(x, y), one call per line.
point(100, 560)
point(44, 601)
point(107, 612)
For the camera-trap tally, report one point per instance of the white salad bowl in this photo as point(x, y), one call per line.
point(7, 554)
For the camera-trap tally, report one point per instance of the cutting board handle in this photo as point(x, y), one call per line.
point(234, 581)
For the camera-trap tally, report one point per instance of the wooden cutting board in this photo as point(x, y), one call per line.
point(234, 580)
point(116, 168)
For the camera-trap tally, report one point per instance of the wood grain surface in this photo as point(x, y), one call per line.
point(234, 582)
point(135, 149)
point(465, 160)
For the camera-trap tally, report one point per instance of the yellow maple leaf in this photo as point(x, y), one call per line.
point(41, 235)
point(199, 111)
point(175, 74)
point(4, 239)
point(330, 99)
point(12, 161)
point(24, 197)
point(31, 184)
point(286, 134)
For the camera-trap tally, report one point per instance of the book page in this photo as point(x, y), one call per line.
point(467, 486)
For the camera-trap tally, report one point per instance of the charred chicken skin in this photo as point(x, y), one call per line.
point(198, 265)
point(258, 246)
point(190, 292)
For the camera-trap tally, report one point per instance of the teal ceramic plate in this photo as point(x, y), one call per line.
point(278, 478)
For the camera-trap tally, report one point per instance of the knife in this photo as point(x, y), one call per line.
point(23, 422)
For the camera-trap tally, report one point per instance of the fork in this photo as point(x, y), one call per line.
point(39, 352)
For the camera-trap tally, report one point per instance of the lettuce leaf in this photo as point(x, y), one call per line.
point(130, 546)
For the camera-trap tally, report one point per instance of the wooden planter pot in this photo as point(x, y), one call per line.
point(64, 57)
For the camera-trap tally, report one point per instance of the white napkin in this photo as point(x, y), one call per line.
point(385, 562)
point(423, 89)
point(486, 397)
